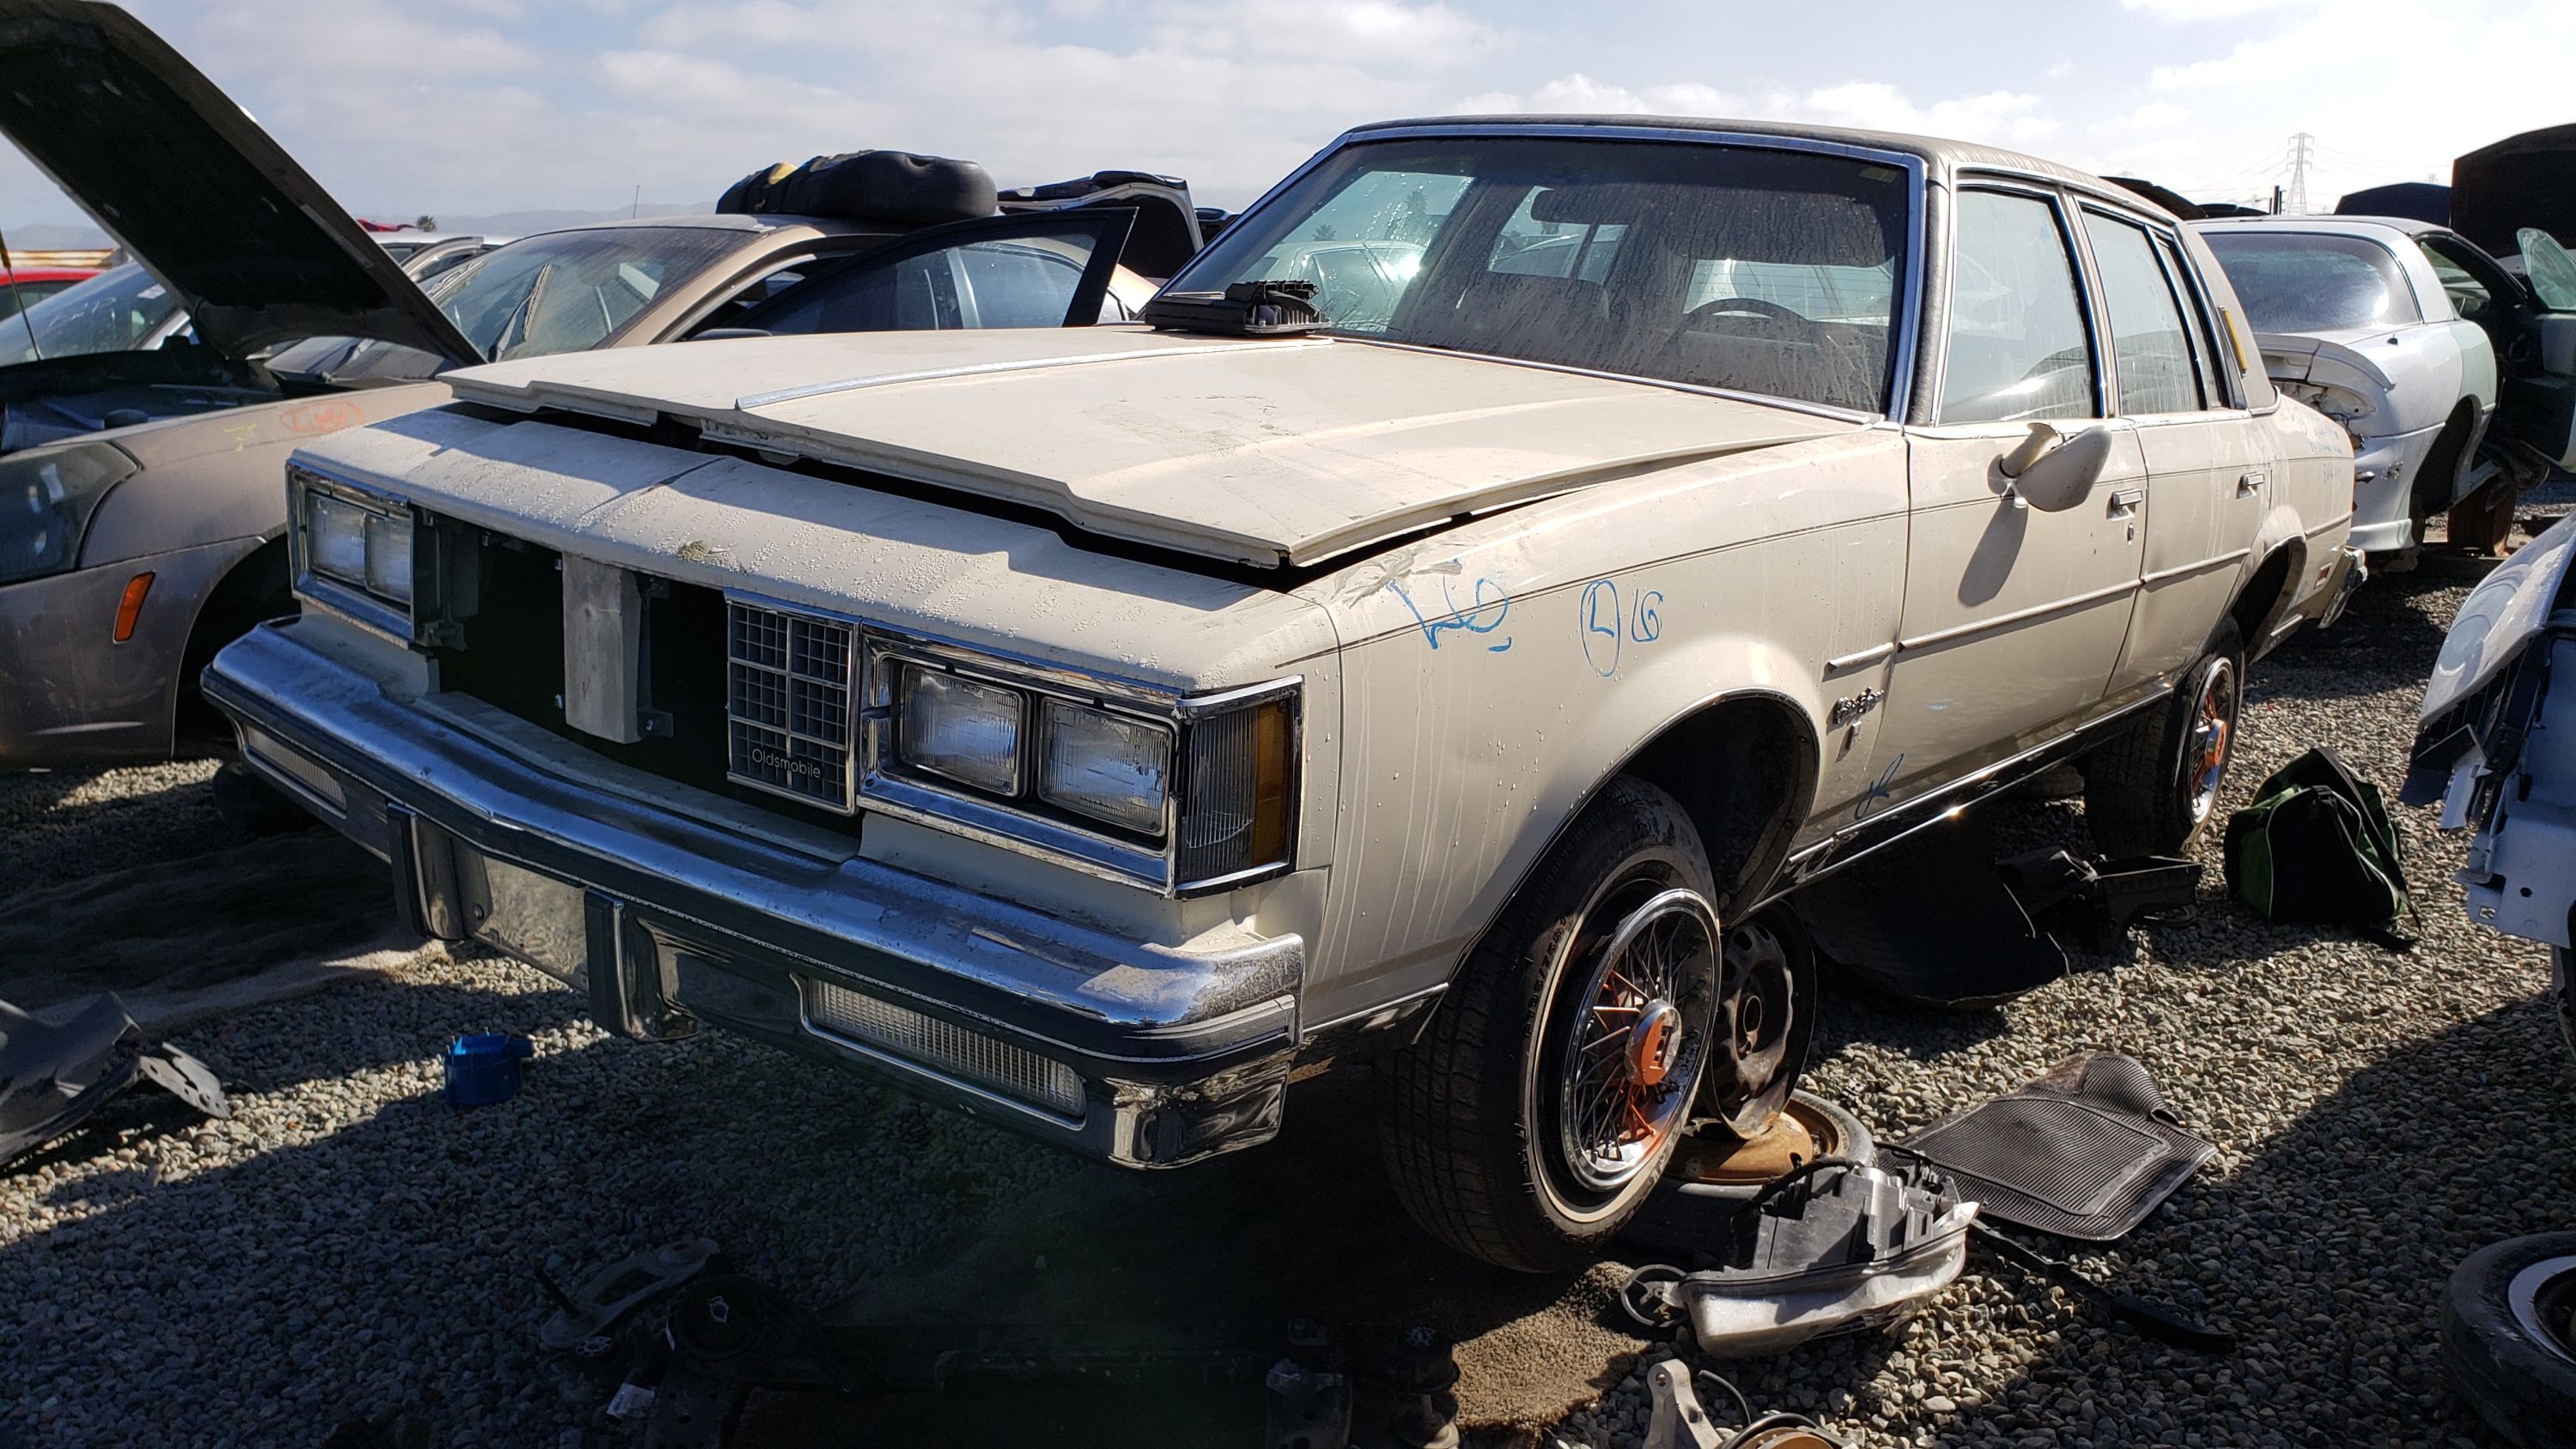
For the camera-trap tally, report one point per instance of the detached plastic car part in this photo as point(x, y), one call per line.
point(53, 1076)
point(1834, 1245)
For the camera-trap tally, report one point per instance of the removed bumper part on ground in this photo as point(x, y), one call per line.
point(55, 1073)
point(1831, 1245)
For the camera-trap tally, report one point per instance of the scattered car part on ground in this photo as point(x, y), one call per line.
point(1714, 1173)
point(1680, 1421)
point(1828, 1246)
point(2509, 1338)
point(2317, 846)
point(482, 1069)
point(879, 816)
point(2092, 902)
point(2084, 1152)
point(55, 1073)
point(595, 1305)
point(2496, 744)
point(1871, 916)
point(2406, 334)
point(2154, 1320)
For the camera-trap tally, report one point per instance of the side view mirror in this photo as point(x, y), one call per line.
point(2053, 471)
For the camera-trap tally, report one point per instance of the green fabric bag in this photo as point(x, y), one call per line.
point(2317, 846)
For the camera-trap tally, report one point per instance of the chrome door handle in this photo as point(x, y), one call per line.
point(2250, 484)
point(2125, 501)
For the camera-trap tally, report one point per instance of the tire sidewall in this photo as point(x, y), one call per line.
point(2225, 651)
point(2523, 1386)
point(1537, 946)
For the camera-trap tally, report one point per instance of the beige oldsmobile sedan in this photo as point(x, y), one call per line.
point(1094, 729)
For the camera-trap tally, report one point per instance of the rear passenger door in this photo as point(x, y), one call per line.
point(2208, 471)
point(2013, 617)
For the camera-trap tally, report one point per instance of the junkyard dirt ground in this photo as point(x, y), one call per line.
point(346, 1244)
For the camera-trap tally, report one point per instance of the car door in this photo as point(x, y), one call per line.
point(1045, 270)
point(2208, 467)
point(2013, 616)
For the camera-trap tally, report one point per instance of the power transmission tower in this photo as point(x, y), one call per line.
point(2301, 154)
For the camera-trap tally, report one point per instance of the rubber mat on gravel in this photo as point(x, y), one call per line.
point(2085, 1152)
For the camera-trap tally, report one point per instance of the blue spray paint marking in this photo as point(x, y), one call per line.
point(1455, 618)
point(1603, 624)
point(1878, 789)
point(1650, 620)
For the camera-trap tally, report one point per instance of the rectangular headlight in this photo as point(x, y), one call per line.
point(1104, 766)
point(388, 570)
point(335, 531)
point(962, 728)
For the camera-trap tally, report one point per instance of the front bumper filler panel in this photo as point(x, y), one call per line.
point(1177, 1055)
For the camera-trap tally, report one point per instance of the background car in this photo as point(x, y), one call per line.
point(2392, 327)
point(142, 516)
point(21, 287)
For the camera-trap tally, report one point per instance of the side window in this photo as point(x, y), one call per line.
point(2214, 391)
point(1024, 280)
point(2470, 299)
point(2016, 345)
point(2147, 341)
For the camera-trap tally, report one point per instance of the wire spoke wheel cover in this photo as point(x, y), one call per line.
point(2209, 736)
point(1632, 1038)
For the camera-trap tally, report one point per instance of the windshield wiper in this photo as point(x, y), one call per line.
point(1245, 309)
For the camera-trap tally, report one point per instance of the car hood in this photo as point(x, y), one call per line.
point(2520, 181)
point(200, 194)
point(2527, 598)
point(1267, 452)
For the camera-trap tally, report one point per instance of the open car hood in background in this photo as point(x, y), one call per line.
point(205, 200)
point(2520, 181)
point(2479, 694)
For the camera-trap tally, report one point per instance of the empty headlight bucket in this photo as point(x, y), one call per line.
point(46, 498)
point(964, 729)
point(1103, 766)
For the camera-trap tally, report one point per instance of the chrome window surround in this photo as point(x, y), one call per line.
point(1903, 343)
point(355, 604)
point(881, 784)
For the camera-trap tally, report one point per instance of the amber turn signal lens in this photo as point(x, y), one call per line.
point(1270, 754)
point(130, 608)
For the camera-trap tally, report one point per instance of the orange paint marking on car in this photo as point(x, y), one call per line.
point(129, 608)
point(323, 417)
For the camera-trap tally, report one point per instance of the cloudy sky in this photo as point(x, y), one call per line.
point(479, 106)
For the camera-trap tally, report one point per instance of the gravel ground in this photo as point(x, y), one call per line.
point(347, 1244)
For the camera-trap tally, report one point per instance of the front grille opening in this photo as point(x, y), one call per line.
point(942, 1047)
point(787, 697)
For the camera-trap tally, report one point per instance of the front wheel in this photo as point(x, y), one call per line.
point(1539, 1106)
point(2152, 790)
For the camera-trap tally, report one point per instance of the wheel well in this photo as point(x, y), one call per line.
point(2265, 595)
point(2450, 453)
point(254, 589)
point(1744, 769)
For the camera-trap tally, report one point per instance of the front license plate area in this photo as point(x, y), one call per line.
point(540, 920)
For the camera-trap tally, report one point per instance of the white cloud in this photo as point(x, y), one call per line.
point(1579, 94)
point(2205, 9)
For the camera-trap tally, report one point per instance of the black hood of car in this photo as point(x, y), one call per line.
point(216, 210)
point(2520, 181)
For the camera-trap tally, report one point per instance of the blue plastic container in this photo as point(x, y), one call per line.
point(484, 1068)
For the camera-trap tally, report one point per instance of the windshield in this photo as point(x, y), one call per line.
point(2307, 282)
point(1758, 270)
point(118, 309)
point(564, 292)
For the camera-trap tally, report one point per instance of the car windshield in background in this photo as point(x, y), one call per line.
point(119, 308)
point(565, 292)
point(1758, 270)
point(2308, 282)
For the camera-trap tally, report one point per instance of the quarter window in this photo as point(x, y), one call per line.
point(2147, 342)
point(2016, 342)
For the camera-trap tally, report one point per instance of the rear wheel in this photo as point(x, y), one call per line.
point(1539, 1107)
point(2505, 1336)
point(2153, 789)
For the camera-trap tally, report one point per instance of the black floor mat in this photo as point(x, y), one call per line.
point(2085, 1152)
point(1928, 920)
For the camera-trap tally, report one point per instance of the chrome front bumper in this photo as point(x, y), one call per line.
point(972, 1001)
